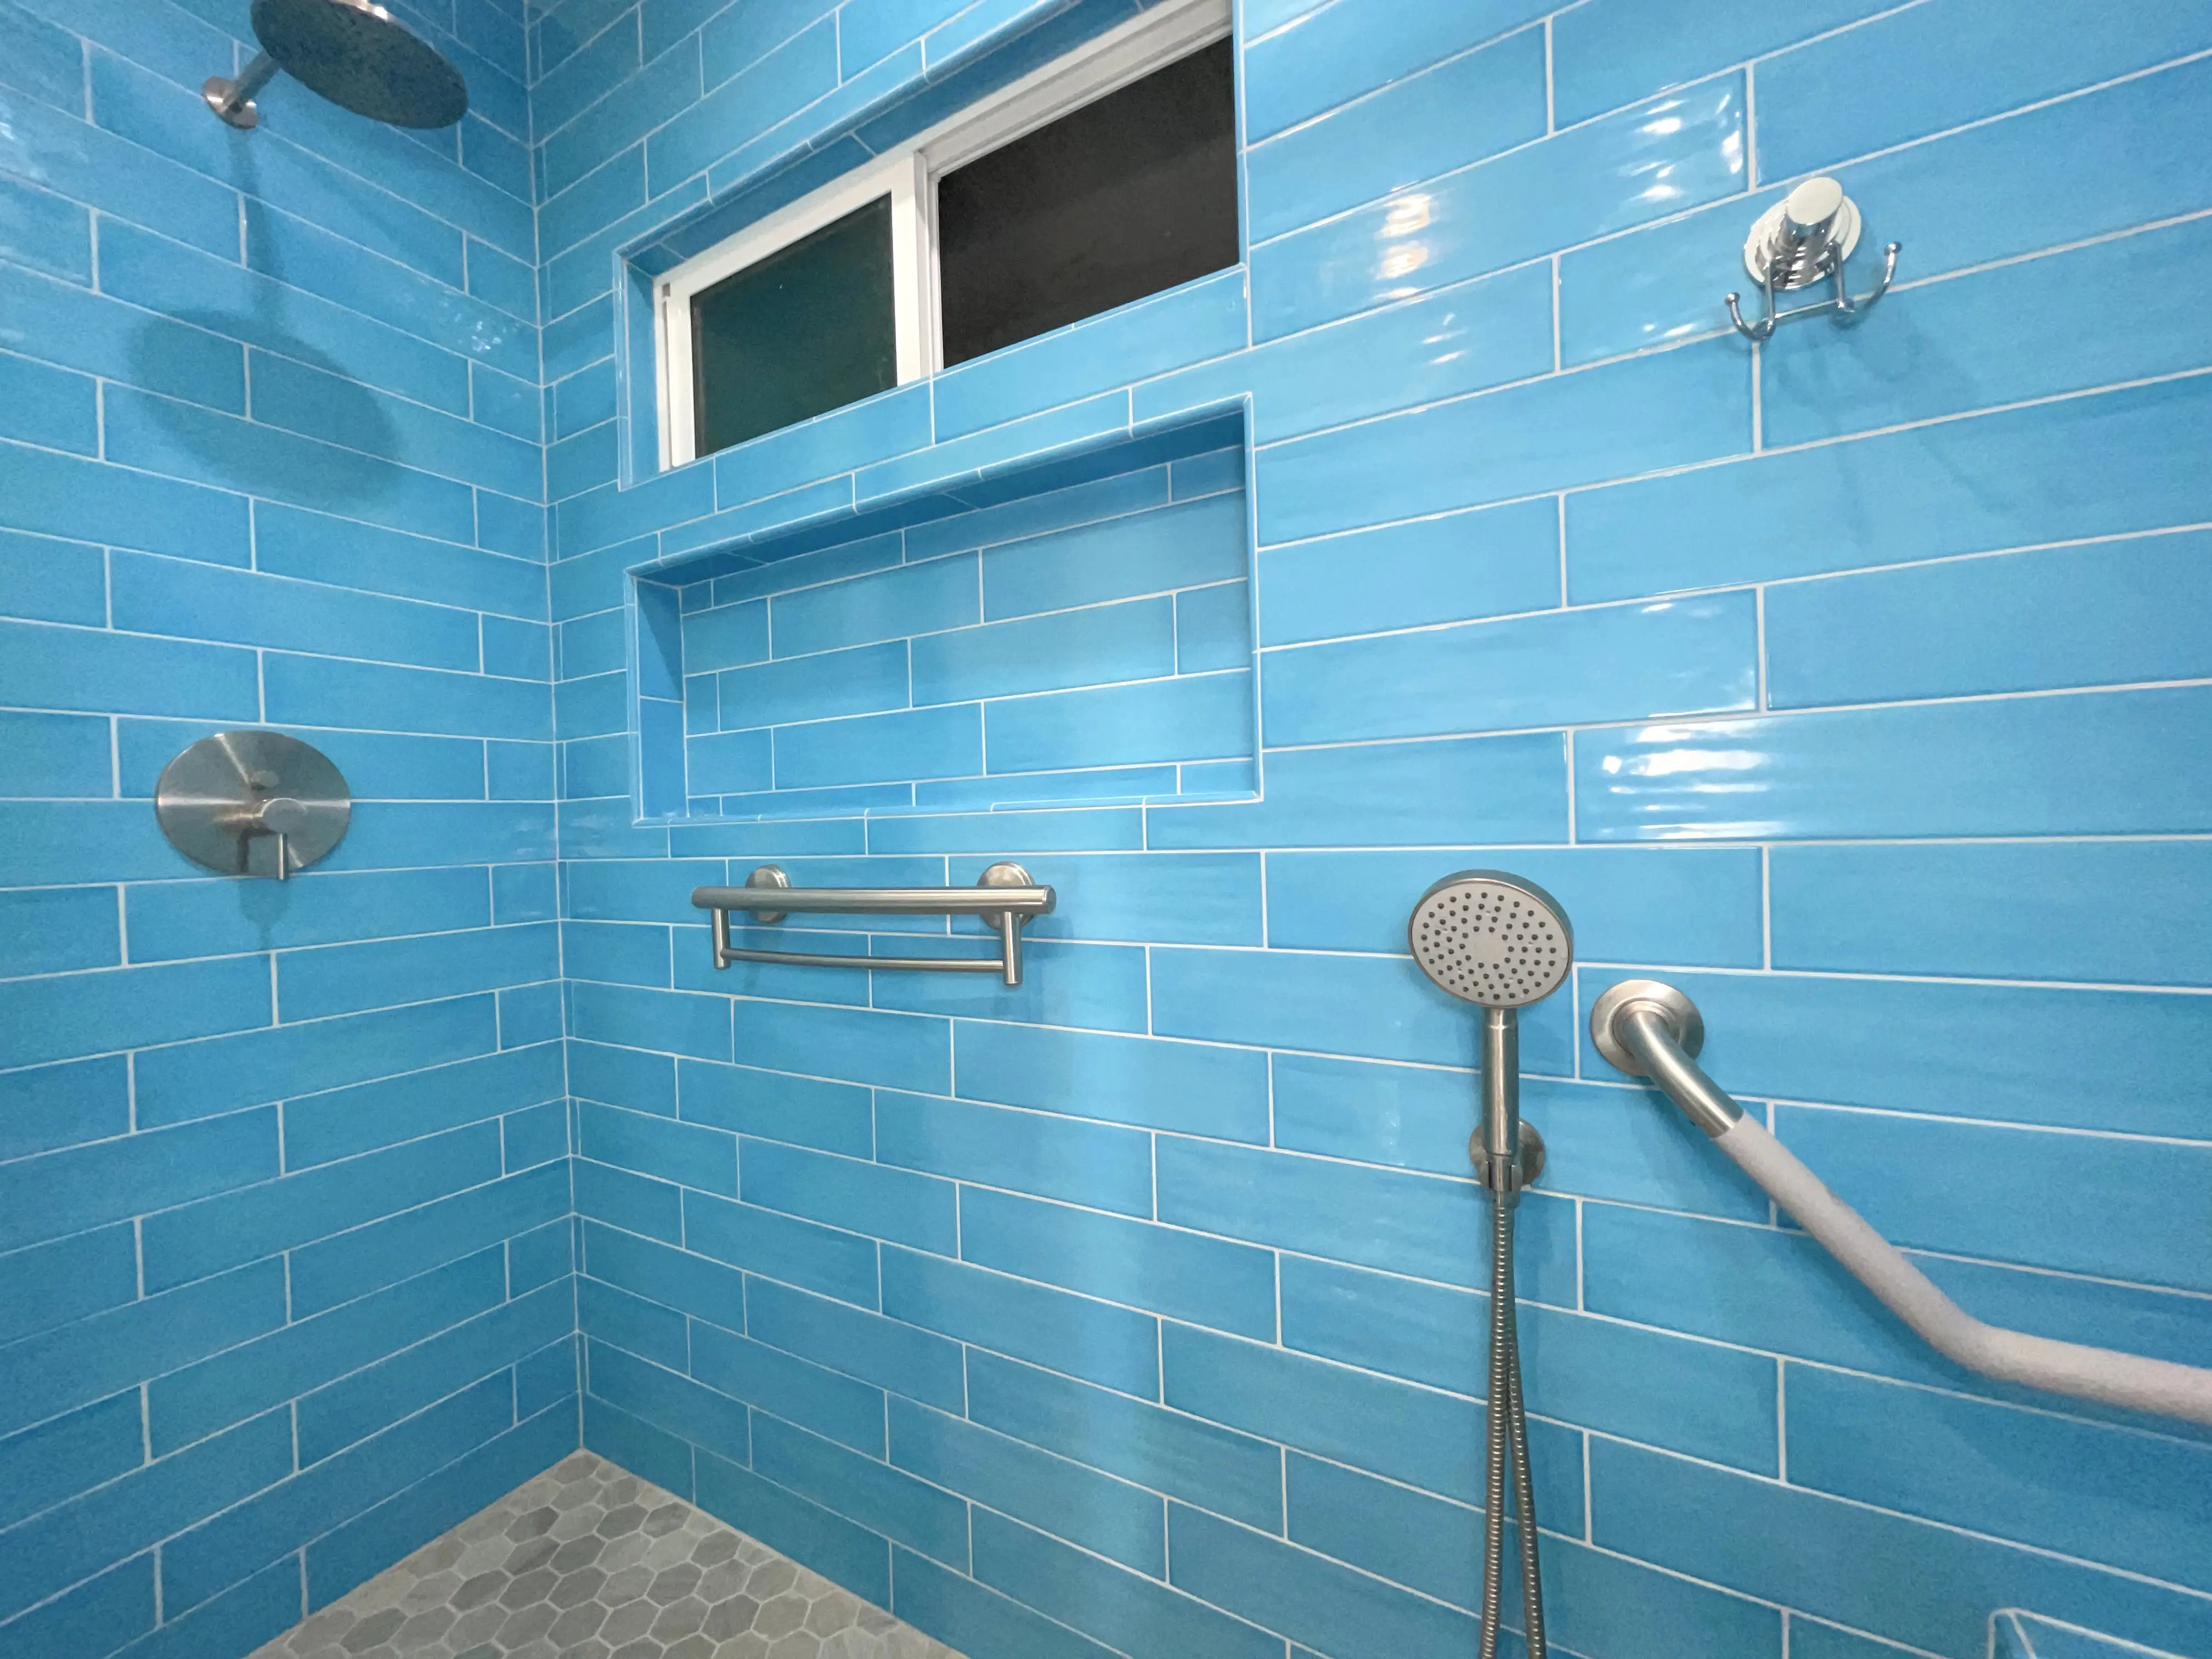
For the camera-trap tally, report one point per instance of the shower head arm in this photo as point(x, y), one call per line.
point(1651, 1030)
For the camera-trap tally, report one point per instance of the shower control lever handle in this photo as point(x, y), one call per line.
point(1651, 1030)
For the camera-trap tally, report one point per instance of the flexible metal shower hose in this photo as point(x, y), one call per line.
point(1509, 1444)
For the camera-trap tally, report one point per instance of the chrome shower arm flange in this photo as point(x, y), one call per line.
point(232, 100)
point(1683, 1022)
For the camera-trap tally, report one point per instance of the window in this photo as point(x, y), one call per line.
point(1106, 176)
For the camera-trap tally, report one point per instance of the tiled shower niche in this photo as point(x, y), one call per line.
point(1076, 632)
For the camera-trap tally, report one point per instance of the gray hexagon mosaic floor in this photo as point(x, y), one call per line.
point(587, 1562)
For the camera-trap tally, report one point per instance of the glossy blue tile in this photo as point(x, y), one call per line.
point(68, 1454)
point(346, 979)
point(44, 580)
point(1332, 54)
point(801, 1252)
point(860, 1196)
point(1644, 415)
point(387, 1251)
point(927, 743)
point(912, 1511)
point(1055, 1156)
point(50, 1107)
point(887, 1352)
point(1875, 1571)
point(2103, 911)
point(1566, 668)
point(845, 1411)
point(892, 1049)
point(682, 1152)
point(793, 76)
point(1928, 769)
point(2102, 614)
point(1606, 54)
point(55, 754)
point(1192, 1087)
point(726, 636)
point(1671, 153)
point(344, 1122)
point(1453, 113)
point(1387, 794)
point(61, 1018)
point(1097, 646)
point(2094, 1493)
point(858, 680)
point(1187, 544)
point(1114, 1347)
point(1130, 1610)
point(1200, 717)
point(673, 1021)
point(886, 604)
point(1315, 1599)
point(2008, 479)
point(1203, 1281)
point(1999, 1219)
point(1956, 63)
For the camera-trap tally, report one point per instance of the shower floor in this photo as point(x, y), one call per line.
point(587, 1562)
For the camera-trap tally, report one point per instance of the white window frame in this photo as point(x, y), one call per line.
point(909, 176)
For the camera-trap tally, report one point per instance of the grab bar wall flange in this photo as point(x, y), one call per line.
point(1004, 898)
point(1634, 1019)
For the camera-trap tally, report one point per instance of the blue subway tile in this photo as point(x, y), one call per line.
point(798, 1252)
point(1566, 668)
point(385, 1252)
point(2130, 612)
point(324, 1127)
point(1925, 769)
point(1093, 1341)
point(1187, 544)
point(838, 1407)
point(857, 1045)
point(912, 1511)
point(683, 1152)
point(1203, 1281)
point(1056, 1157)
point(2011, 478)
point(1671, 153)
point(1644, 415)
point(346, 979)
point(860, 1196)
point(2105, 911)
point(1218, 1091)
point(1609, 52)
point(1956, 62)
point(1201, 717)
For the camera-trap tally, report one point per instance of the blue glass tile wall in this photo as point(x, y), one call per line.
point(1858, 685)
point(285, 1256)
point(1850, 684)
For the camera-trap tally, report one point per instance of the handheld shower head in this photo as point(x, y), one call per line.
point(1492, 939)
point(354, 53)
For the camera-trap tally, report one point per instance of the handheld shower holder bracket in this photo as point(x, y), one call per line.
point(1507, 1176)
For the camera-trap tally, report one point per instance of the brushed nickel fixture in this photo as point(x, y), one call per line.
point(252, 804)
point(1003, 897)
point(1804, 240)
point(1501, 943)
point(353, 52)
point(1651, 1030)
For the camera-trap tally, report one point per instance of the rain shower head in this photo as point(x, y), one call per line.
point(1492, 939)
point(353, 52)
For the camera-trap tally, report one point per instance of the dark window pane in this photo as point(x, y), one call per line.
point(807, 329)
point(1121, 198)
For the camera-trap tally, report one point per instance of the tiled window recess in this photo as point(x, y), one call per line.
point(1037, 641)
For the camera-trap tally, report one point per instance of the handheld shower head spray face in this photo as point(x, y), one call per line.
point(1492, 939)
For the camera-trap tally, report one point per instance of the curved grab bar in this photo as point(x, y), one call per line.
point(1649, 1029)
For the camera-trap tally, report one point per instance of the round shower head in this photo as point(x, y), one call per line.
point(1492, 939)
point(358, 56)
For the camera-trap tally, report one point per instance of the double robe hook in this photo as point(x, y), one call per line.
point(1801, 240)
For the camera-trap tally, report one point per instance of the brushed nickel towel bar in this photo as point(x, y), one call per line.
point(1651, 1030)
point(1003, 897)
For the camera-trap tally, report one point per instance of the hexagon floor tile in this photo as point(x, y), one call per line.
point(587, 1562)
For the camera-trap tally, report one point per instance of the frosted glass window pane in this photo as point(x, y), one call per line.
point(1128, 196)
point(805, 331)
